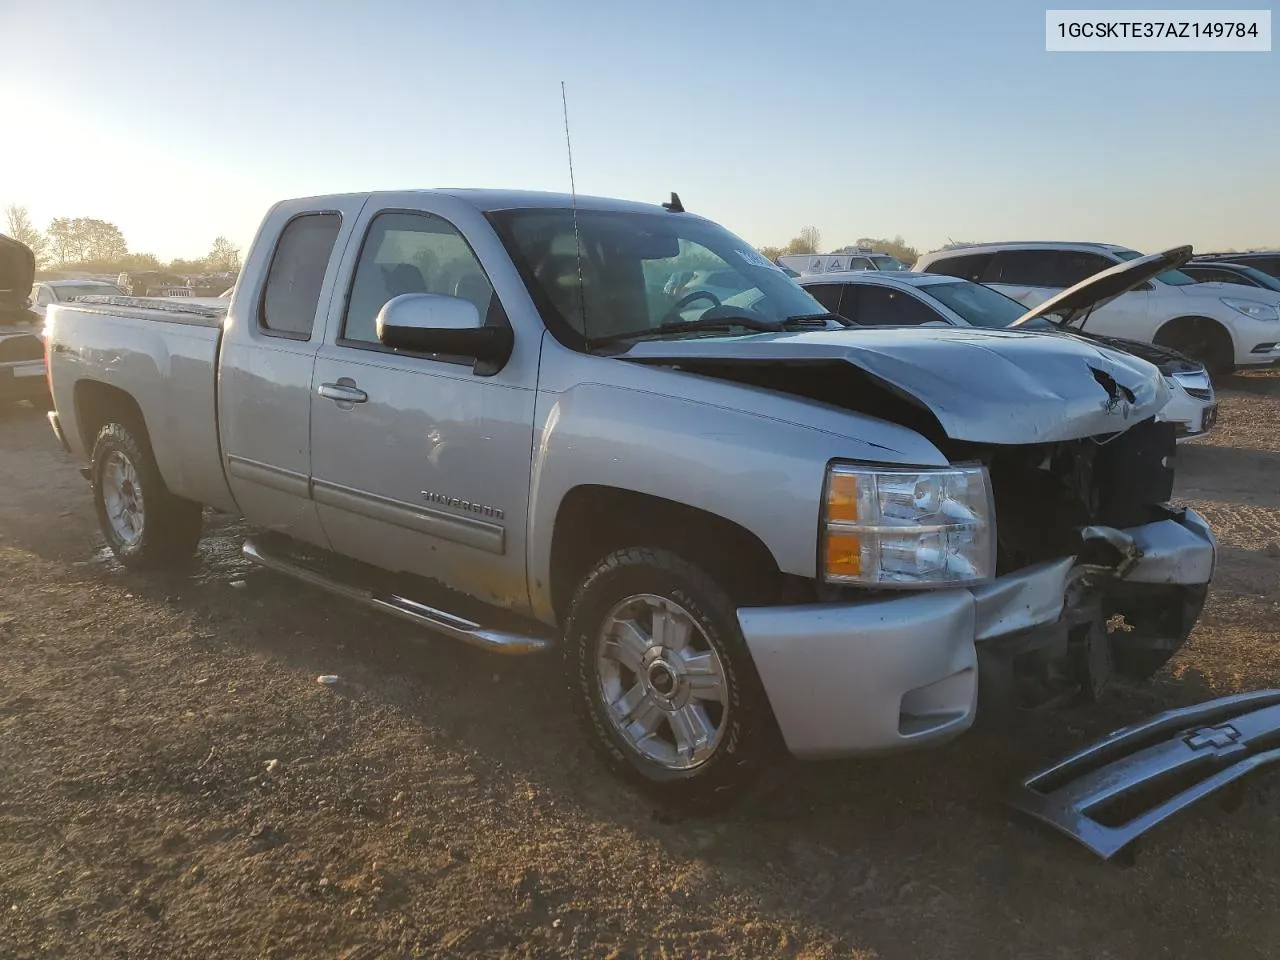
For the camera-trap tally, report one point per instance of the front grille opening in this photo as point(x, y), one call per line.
point(1132, 804)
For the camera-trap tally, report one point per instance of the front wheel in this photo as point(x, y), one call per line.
point(663, 680)
point(145, 525)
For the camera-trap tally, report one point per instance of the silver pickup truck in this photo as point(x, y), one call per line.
point(744, 522)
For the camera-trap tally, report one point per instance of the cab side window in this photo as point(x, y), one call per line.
point(292, 292)
point(411, 253)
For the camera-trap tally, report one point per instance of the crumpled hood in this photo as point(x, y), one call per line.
point(985, 386)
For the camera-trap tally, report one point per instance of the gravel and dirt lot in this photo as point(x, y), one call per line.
point(175, 783)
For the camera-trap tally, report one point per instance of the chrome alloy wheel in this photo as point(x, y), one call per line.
point(661, 681)
point(122, 497)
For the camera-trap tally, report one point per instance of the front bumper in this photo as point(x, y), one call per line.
point(1192, 416)
point(845, 679)
point(1262, 354)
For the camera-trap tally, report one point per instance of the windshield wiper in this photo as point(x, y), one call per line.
point(709, 323)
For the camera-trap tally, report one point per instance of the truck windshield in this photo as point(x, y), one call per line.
point(627, 272)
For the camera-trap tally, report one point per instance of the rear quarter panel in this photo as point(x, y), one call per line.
point(167, 366)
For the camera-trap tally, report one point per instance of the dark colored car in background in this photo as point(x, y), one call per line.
point(1220, 271)
point(1268, 261)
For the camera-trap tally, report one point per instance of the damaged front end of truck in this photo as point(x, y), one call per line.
point(1097, 574)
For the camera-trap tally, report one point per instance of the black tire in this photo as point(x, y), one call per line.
point(170, 527)
point(722, 778)
point(1201, 339)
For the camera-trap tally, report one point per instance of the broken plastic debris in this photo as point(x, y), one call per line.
point(327, 679)
point(273, 765)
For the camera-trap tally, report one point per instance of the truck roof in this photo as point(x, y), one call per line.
point(491, 200)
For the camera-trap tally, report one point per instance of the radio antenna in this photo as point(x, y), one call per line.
point(573, 193)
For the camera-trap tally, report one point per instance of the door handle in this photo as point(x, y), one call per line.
point(344, 391)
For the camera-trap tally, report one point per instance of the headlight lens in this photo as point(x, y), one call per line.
point(1253, 309)
point(908, 528)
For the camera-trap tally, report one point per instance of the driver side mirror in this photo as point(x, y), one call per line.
point(434, 323)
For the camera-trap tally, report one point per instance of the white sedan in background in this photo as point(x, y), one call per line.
point(884, 298)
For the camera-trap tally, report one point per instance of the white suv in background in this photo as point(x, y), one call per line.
point(1222, 325)
point(877, 298)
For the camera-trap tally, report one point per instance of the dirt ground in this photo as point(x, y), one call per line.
point(175, 783)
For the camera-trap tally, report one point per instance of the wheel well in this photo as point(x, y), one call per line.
point(98, 404)
point(593, 521)
point(1181, 329)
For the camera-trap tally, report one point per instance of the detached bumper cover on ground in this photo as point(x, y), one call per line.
point(859, 678)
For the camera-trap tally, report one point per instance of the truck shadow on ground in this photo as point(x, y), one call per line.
point(866, 850)
point(480, 699)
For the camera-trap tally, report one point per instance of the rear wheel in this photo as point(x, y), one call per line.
point(145, 525)
point(663, 680)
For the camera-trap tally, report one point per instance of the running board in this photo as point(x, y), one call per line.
point(1109, 794)
point(457, 628)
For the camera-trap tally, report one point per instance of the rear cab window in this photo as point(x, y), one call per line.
point(298, 265)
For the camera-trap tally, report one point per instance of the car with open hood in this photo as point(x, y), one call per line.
point(494, 415)
point(919, 299)
point(46, 292)
point(22, 364)
point(1223, 326)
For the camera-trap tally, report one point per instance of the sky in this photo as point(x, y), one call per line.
point(182, 121)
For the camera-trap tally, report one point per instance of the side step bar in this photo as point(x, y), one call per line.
point(457, 628)
point(1109, 794)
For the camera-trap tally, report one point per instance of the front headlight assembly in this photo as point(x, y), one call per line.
point(1253, 309)
point(907, 528)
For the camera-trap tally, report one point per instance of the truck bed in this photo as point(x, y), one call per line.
point(162, 352)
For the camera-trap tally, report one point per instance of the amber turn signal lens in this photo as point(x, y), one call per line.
point(844, 555)
point(842, 498)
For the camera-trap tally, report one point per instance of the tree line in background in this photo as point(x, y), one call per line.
point(97, 246)
point(809, 240)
